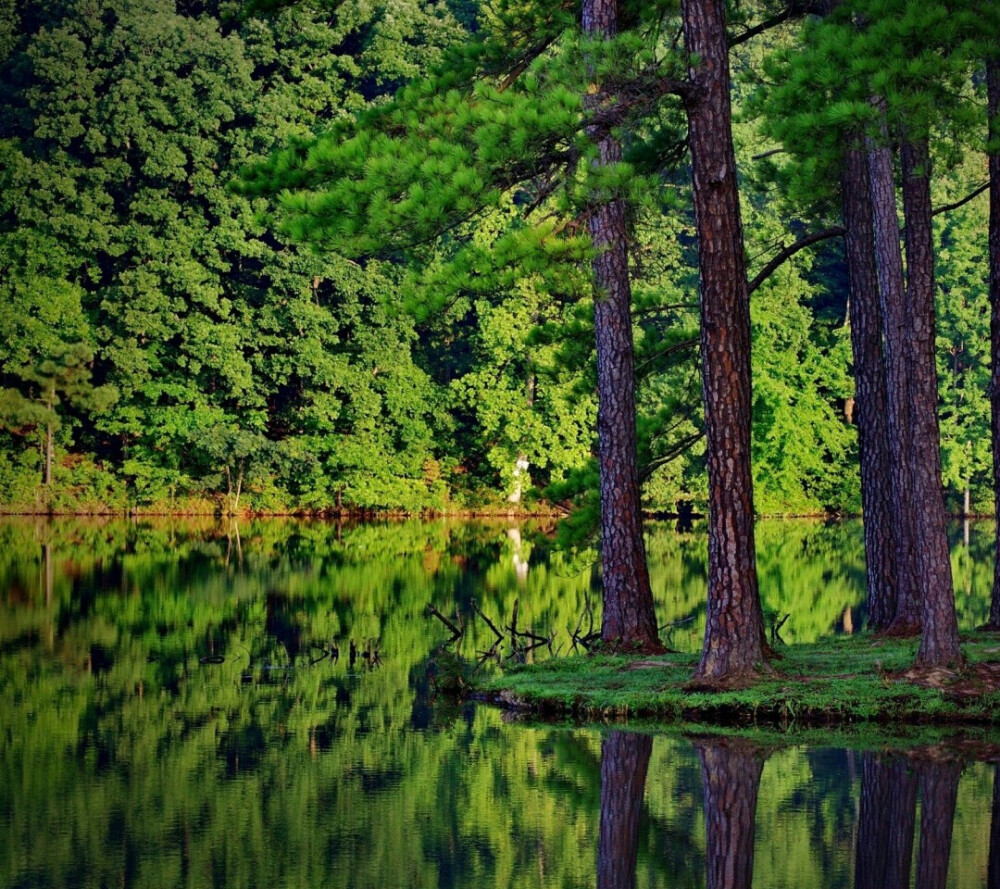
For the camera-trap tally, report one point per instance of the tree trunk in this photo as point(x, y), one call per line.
point(993, 92)
point(734, 630)
point(624, 762)
point(730, 774)
point(938, 795)
point(48, 455)
point(886, 820)
point(939, 640)
point(993, 868)
point(892, 299)
point(865, 317)
point(629, 620)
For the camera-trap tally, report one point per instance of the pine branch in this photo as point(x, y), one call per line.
point(835, 231)
point(947, 208)
point(788, 252)
point(688, 441)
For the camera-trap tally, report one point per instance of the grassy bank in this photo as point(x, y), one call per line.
point(840, 682)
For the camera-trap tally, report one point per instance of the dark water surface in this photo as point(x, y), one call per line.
point(172, 713)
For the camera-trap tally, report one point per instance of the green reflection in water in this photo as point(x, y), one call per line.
point(170, 714)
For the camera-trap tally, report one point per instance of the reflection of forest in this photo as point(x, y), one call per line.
point(731, 771)
point(359, 578)
point(170, 714)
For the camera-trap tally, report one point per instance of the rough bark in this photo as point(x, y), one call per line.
point(939, 640)
point(734, 630)
point(993, 869)
point(938, 795)
point(993, 103)
point(624, 763)
point(629, 619)
point(865, 317)
point(886, 821)
point(892, 299)
point(730, 774)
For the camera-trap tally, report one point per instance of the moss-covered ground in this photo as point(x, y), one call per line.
point(843, 683)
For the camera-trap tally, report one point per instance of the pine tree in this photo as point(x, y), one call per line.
point(734, 631)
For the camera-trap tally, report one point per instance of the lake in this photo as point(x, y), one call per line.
point(180, 706)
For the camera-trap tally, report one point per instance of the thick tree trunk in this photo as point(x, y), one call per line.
point(886, 820)
point(939, 640)
point(624, 762)
point(993, 92)
point(734, 630)
point(938, 795)
point(730, 774)
point(870, 394)
point(629, 618)
point(892, 299)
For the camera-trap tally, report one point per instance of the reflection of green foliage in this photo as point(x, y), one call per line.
point(124, 756)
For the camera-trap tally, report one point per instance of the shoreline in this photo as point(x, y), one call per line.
point(839, 683)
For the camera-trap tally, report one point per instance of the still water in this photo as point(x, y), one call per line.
point(179, 706)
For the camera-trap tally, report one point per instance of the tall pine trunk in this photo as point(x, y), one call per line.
point(892, 299)
point(624, 763)
point(734, 630)
point(939, 640)
point(629, 618)
point(865, 317)
point(993, 103)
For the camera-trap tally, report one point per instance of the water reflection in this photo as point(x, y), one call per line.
point(731, 778)
point(892, 784)
point(179, 705)
point(624, 762)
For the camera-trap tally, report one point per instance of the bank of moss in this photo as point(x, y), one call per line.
point(840, 682)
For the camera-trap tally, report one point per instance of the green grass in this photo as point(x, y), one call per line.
point(845, 682)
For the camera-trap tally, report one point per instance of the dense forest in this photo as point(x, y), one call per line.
point(171, 339)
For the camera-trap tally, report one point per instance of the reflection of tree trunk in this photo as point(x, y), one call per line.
point(47, 568)
point(520, 562)
point(624, 761)
point(938, 795)
point(885, 823)
point(993, 873)
point(730, 774)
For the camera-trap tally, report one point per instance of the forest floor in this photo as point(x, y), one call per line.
point(863, 681)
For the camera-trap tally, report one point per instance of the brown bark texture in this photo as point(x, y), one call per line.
point(993, 867)
point(730, 774)
point(624, 763)
point(892, 299)
point(939, 639)
point(886, 820)
point(734, 630)
point(629, 618)
point(993, 105)
point(865, 316)
point(938, 796)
